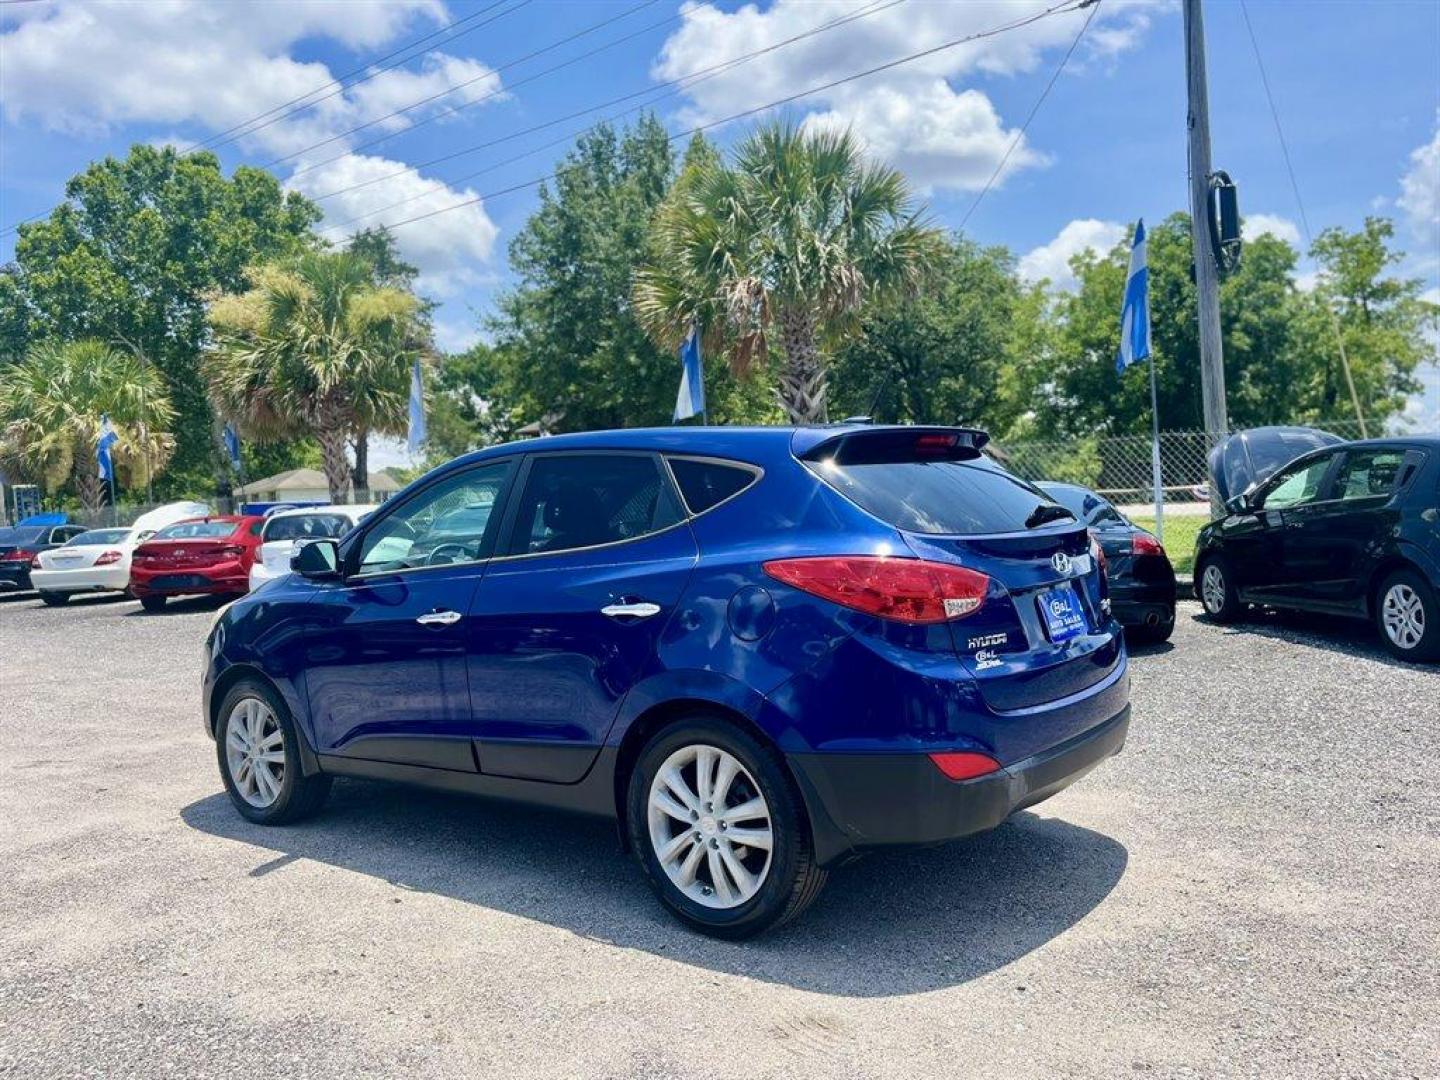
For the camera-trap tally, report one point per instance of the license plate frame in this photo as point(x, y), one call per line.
point(1061, 613)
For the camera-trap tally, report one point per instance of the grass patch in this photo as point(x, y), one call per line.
point(1180, 533)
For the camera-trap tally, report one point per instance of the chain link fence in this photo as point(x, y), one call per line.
point(1119, 467)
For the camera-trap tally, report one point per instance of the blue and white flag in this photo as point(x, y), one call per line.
point(1135, 315)
point(691, 399)
point(107, 439)
point(416, 437)
point(232, 446)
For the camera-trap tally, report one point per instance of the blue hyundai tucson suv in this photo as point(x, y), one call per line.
point(762, 651)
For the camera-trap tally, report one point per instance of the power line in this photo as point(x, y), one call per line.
point(1304, 219)
point(689, 80)
point(1094, 6)
point(369, 70)
point(1068, 5)
point(486, 97)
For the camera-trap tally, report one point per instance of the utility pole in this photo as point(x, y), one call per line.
point(1207, 269)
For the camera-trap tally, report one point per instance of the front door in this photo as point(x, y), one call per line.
point(568, 618)
point(385, 647)
point(1263, 565)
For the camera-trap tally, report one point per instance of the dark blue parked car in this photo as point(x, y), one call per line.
point(762, 650)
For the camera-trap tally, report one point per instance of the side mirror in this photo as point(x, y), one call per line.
point(1238, 504)
point(317, 559)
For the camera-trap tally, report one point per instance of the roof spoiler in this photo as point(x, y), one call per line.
point(893, 445)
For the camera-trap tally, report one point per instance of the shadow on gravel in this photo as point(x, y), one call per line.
point(891, 924)
point(1348, 637)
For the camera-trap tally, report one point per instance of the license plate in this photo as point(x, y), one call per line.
point(181, 581)
point(1060, 609)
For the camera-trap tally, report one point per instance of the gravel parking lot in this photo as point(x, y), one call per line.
point(1251, 889)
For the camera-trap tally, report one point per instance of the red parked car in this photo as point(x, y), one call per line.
point(198, 555)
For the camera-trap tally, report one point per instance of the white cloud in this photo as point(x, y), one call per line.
point(446, 247)
point(915, 116)
point(1052, 261)
point(1281, 228)
point(1420, 189)
point(456, 336)
point(87, 67)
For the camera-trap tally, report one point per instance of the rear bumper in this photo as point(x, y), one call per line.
point(230, 578)
point(14, 576)
point(863, 801)
point(1136, 603)
point(81, 579)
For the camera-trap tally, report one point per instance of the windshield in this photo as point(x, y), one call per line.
point(196, 530)
point(98, 536)
point(954, 498)
point(306, 527)
point(13, 536)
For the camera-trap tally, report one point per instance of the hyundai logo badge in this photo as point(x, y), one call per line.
point(1061, 562)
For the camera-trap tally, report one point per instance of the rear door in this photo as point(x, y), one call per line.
point(568, 617)
point(1042, 632)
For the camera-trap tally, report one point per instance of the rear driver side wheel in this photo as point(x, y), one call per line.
point(1407, 616)
point(720, 830)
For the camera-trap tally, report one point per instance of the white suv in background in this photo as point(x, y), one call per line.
point(286, 530)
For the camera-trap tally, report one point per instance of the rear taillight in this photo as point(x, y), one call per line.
point(905, 590)
point(964, 764)
point(232, 549)
point(1145, 544)
point(23, 555)
point(107, 557)
point(34, 559)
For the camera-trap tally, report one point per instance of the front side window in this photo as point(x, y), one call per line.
point(584, 500)
point(1297, 484)
point(1369, 474)
point(450, 522)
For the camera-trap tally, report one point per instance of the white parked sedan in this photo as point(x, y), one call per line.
point(98, 560)
point(286, 530)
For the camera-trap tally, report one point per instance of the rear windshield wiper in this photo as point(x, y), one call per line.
point(1046, 513)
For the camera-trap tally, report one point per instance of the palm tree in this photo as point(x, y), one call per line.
point(794, 236)
point(51, 405)
point(314, 348)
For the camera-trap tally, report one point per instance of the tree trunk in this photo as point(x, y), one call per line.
point(337, 468)
point(361, 474)
point(802, 379)
point(88, 484)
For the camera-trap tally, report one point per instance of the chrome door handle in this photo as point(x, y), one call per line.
point(642, 610)
point(438, 618)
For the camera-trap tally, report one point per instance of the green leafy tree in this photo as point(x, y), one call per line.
point(568, 351)
point(130, 256)
point(942, 356)
point(790, 240)
point(314, 348)
point(51, 405)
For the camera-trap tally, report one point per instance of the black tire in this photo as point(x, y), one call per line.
point(152, 604)
point(1229, 609)
point(1410, 586)
point(53, 599)
point(300, 796)
point(792, 880)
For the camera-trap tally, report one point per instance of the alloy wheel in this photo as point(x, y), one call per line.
point(1402, 613)
point(1212, 588)
point(255, 752)
point(710, 826)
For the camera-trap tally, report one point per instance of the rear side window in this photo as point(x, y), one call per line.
point(583, 500)
point(944, 497)
point(1370, 474)
point(704, 484)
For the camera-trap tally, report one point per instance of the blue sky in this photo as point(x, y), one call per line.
point(1357, 84)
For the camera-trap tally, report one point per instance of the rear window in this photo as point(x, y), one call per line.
point(954, 498)
point(306, 527)
point(196, 530)
point(13, 536)
point(704, 484)
point(98, 536)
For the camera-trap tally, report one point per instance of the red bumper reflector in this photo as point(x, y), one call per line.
point(964, 765)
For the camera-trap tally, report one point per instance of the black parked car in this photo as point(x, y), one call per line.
point(1142, 581)
point(1351, 530)
point(19, 544)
